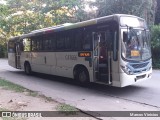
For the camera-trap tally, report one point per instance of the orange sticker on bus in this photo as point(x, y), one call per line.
point(84, 54)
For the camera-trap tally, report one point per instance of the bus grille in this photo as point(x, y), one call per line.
point(135, 66)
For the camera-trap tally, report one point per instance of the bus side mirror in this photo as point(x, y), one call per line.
point(125, 36)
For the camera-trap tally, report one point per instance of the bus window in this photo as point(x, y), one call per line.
point(78, 39)
point(26, 45)
point(67, 43)
point(53, 42)
point(46, 44)
point(68, 40)
point(49, 42)
point(60, 42)
point(87, 41)
point(11, 46)
point(37, 43)
point(34, 44)
point(40, 45)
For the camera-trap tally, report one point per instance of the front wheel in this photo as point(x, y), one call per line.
point(82, 75)
point(27, 69)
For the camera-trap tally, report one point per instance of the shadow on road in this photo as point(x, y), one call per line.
point(113, 91)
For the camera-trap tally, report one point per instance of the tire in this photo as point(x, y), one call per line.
point(27, 69)
point(82, 76)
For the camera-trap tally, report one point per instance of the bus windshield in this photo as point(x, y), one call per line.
point(137, 46)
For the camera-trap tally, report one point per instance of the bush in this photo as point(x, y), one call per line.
point(155, 45)
point(156, 63)
point(3, 51)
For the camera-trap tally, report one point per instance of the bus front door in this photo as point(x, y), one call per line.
point(17, 56)
point(101, 56)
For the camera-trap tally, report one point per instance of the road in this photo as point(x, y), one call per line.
point(142, 96)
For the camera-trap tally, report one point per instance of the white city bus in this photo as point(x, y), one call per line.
point(113, 50)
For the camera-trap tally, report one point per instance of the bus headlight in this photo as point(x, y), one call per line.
point(127, 70)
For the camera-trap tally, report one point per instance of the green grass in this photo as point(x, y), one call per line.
point(11, 86)
point(17, 88)
point(66, 109)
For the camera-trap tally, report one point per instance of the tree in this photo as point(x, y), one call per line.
point(157, 20)
point(23, 16)
point(141, 8)
point(27, 15)
point(3, 14)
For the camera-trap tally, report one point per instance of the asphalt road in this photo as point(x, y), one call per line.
point(142, 96)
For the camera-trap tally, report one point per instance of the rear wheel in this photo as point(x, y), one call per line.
point(82, 75)
point(27, 68)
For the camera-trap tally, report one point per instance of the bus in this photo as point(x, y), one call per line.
point(113, 50)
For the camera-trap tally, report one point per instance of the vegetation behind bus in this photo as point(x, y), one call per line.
point(155, 45)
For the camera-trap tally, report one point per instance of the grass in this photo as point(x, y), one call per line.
point(66, 109)
point(11, 86)
point(61, 108)
point(17, 88)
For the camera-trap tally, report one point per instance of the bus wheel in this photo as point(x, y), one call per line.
point(27, 68)
point(82, 75)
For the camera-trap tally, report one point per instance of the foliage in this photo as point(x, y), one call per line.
point(156, 40)
point(3, 51)
point(156, 63)
point(155, 43)
point(141, 8)
point(23, 16)
point(157, 20)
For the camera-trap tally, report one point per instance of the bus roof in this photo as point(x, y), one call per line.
point(68, 26)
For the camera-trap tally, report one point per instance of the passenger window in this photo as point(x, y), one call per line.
point(78, 40)
point(26, 45)
point(67, 42)
point(87, 41)
point(34, 44)
point(53, 42)
point(60, 43)
point(37, 43)
point(11, 46)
